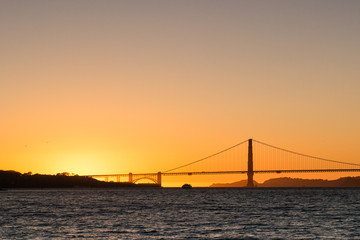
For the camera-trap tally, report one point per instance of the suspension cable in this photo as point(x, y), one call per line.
point(202, 159)
point(305, 155)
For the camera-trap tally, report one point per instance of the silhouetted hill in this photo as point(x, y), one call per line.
point(13, 179)
point(297, 182)
point(241, 183)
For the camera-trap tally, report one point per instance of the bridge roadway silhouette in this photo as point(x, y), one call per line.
point(157, 177)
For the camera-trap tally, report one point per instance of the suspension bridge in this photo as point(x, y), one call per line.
point(248, 157)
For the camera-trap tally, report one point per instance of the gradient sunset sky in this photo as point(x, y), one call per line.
point(94, 87)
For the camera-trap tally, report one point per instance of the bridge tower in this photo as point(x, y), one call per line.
point(250, 172)
point(159, 178)
point(130, 177)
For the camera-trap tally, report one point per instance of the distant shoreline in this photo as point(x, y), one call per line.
point(16, 180)
point(286, 182)
point(169, 188)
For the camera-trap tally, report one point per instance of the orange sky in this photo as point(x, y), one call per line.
point(90, 87)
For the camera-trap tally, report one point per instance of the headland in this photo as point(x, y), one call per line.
point(13, 179)
point(297, 182)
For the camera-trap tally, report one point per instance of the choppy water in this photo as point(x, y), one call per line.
point(180, 214)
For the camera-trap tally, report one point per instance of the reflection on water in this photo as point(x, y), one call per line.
point(178, 213)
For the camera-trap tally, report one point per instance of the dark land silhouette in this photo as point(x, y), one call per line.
point(297, 182)
point(13, 179)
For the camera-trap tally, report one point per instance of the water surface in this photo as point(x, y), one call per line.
point(198, 213)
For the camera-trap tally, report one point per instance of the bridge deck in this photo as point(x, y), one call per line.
point(226, 172)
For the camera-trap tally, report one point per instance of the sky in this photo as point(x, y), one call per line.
point(95, 87)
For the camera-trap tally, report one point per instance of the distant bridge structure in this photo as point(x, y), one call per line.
point(239, 159)
point(131, 177)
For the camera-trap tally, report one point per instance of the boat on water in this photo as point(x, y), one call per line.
point(186, 186)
